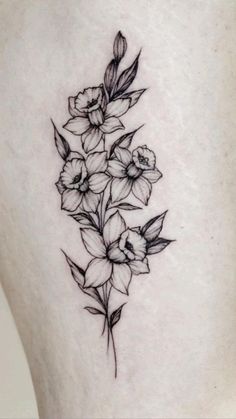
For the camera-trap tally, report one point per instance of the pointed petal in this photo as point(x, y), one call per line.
point(71, 199)
point(120, 188)
point(98, 182)
point(139, 266)
point(142, 189)
point(111, 124)
point(152, 175)
point(98, 272)
point(118, 107)
point(72, 108)
point(123, 155)
point(91, 139)
point(60, 187)
point(121, 277)
point(93, 242)
point(90, 201)
point(77, 125)
point(96, 162)
point(116, 168)
point(113, 228)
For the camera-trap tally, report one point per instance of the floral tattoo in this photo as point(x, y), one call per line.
point(95, 184)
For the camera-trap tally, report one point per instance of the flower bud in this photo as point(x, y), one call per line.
point(120, 46)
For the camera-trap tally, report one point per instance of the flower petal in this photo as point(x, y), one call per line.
point(118, 107)
point(98, 272)
point(116, 168)
point(113, 228)
point(111, 124)
point(60, 187)
point(89, 95)
point(98, 182)
point(139, 266)
point(152, 175)
point(72, 108)
point(77, 125)
point(142, 189)
point(71, 199)
point(96, 162)
point(93, 242)
point(121, 277)
point(120, 188)
point(123, 155)
point(90, 201)
point(91, 139)
point(71, 169)
point(74, 155)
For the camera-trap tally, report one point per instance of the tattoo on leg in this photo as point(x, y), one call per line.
point(96, 185)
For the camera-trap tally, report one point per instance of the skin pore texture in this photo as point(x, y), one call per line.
point(176, 340)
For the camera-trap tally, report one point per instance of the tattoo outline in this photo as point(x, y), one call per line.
point(95, 185)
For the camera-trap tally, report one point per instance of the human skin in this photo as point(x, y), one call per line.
point(176, 340)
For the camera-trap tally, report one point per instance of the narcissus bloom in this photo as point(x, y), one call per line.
point(133, 172)
point(118, 253)
point(82, 180)
point(93, 116)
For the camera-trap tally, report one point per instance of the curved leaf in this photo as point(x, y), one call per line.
point(153, 227)
point(157, 246)
point(115, 316)
point(126, 78)
point(85, 219)
point(78, 275)
point(94, 310)
point(126, 206)
point(133, 96)
point(124, 141)
point(62, 145)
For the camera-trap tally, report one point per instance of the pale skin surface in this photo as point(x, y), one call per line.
point(176, 341)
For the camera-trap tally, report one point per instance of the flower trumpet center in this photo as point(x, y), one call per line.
point(96, 117)
point(133, 171)
point(133, 245)
point(91, 103)
point(85, 186)
point(144, 158)
point(76, 179)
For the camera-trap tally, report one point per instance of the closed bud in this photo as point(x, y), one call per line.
point(120, 46)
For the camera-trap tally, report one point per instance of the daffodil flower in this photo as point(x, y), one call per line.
point(92, 116)
point(82, 180)
point(118, 253)
point(133, 172)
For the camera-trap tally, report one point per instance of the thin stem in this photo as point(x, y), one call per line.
point(114, 351)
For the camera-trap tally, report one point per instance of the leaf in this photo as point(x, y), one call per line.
point(84, 219)
point(115, 316)
point(153, 227)
point(124, 141)
point(126, 206)
point(94, 310)
point(62, 145)
point(157, 246)
point(120, 46)
point(110, 76)
point(78, 275)
point(126, 78)
point(133, 96)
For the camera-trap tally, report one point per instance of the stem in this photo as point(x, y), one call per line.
point(114, 350)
